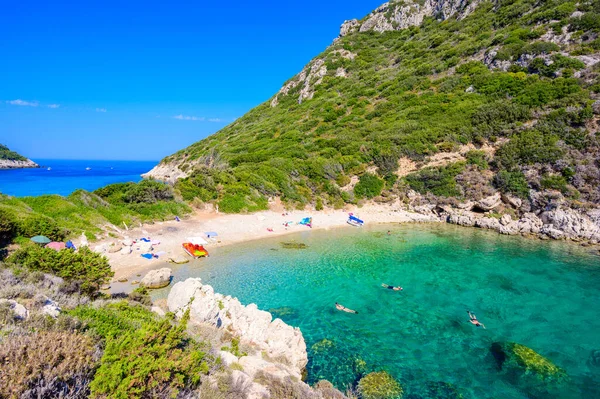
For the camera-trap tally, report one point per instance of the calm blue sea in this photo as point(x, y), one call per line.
point(66, 176)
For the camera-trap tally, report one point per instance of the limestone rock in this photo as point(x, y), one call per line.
point(568, 223)
point(8, 164)
point(505, 220)
point(19, 310)
point(157, 278)
point(158, 310)
point(489, 203)
point(511, 200)
point(349, 27)
point(254, 327)
point(51, 308)
point(228, 358)
point(596, 107)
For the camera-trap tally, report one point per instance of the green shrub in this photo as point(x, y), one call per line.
point(41, 225)
point(529, 147)
point(512, 182)
point(555, 182)
point(439, 181)
point(9, 225)
point(479, 158)
point(87, 269)
point(144, 357)
point(368, 186)
point(379, 385)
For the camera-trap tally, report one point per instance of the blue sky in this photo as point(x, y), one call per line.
point(141, 80)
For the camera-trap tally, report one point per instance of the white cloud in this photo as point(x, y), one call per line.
point(188, 118)
point(23, 103)
point(196, 118)
point(53, 105)
point(100, 109)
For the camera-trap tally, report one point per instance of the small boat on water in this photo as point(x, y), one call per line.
point(354, 221)
point(88, 168)
point(49, 168)
point(195, 250)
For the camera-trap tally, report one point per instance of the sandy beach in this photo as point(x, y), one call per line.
point(236, 228)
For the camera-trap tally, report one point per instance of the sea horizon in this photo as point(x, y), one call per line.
point(63, 176)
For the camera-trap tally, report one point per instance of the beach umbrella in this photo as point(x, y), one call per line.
point(41, 240)
point(56, 245)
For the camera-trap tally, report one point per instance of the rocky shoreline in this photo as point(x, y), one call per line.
point(261, 349)
point(552, 218)
point(28, 164)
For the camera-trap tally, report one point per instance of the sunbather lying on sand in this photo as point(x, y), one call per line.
point(344, 309)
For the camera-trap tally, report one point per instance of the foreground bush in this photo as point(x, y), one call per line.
point(85, 269)
point(46, 365)
point(41, 225)
point(144, 357)
point(379, 385)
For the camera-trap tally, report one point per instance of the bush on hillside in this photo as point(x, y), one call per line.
point(512, 182)
point(8, 225)
point(479, 158)
point(528, 148)
point(41, 225)
point(440, 181)
point(368, 186)
point(46, 364)
point(144, 357)
point(86, 270)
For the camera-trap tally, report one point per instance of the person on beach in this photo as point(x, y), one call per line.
point(391, 287)
point(389, 233)
point(344, 309)
point(473, 320)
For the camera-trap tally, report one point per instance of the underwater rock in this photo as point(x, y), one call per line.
point(523, 366)
point(283, 311)
point(593, 361)
point(379, 385)
point(442, 390)
point(322, 345)
point(293, 245)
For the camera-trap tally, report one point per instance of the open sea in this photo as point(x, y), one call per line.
point(66, 176)
point(544, 295)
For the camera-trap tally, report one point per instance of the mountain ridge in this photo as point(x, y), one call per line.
point(453, 101)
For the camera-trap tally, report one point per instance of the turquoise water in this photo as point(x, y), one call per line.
point(544, 295)
point(66, 176)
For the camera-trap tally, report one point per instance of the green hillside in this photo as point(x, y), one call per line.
point(8, 155)
point(515, 79)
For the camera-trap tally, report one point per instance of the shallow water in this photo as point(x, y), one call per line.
point(545, 295)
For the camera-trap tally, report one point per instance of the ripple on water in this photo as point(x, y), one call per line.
point(544, 295)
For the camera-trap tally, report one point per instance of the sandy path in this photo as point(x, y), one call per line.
point(238, 228)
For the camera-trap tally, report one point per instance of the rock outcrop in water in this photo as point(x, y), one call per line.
point(527, 368)
point(255, 328)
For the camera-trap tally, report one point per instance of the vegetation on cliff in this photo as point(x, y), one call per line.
point(8, 155)
point(58, 217)
point(517, 78)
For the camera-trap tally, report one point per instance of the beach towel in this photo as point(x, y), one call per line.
point(155, 242)
point(147, 256)
point(160, 253)
point(145, 239)
point(70, 245)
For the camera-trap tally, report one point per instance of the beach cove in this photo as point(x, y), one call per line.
point(538, 294)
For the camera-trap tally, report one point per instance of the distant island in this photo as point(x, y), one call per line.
point(12, 160)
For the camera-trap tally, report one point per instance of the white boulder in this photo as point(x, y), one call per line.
point(157, 278)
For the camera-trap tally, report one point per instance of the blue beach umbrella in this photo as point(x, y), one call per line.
point(41, 240)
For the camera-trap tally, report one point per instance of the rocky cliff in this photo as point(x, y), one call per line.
point(12, 160)
point(266, 350)
point(8, 164)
